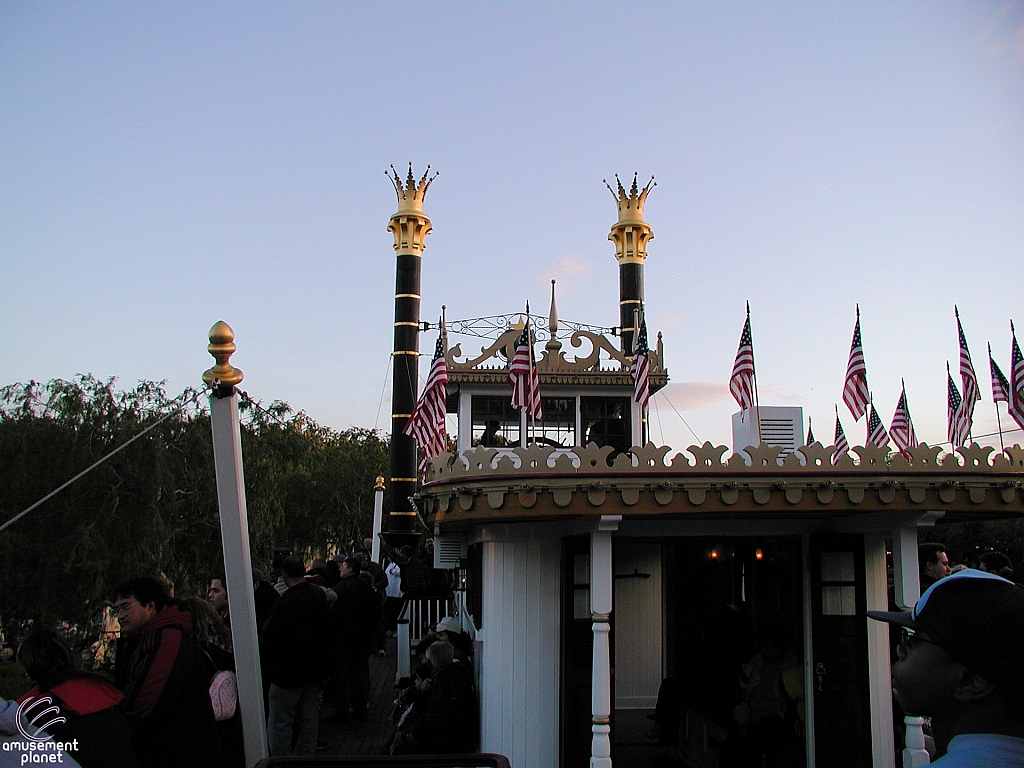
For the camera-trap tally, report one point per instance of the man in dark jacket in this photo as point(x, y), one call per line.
point(293, 653)
point(355, 617)
point(160, 671)
point(415, 576)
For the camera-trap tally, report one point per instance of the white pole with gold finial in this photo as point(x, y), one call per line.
point(234, 529)
point(378, 517)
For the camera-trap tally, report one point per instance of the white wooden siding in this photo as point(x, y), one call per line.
point(638, 625)
point(520, 641)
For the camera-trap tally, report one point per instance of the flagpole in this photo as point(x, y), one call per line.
point(753, 365)
point(995, 403)
point(637, 316)
point(910, 419)
point(968, 409)
point(444, 345)
point(867, 417)
point(533, 413)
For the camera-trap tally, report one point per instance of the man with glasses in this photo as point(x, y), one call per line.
point(160, 670)
point(960, 662)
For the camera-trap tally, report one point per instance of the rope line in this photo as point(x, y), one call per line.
point(383, 389)
point(84, 472)
point(661, 396)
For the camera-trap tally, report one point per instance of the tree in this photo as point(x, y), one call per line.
point(153, 507)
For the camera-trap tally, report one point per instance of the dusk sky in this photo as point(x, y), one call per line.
point(167, 165)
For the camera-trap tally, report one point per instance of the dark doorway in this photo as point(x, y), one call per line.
point(577, 654)
point(722, 596)
point(734, 609)
point(840, 655)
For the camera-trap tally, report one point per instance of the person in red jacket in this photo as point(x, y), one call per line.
point(88, 714)
point(160, 670)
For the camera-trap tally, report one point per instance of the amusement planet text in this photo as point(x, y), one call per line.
point(41, 752)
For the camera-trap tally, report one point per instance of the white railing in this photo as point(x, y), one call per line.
point(418, 615)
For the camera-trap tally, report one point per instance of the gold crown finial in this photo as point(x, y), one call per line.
point(631, 203)
point(412, 192)
point(631, 233)
point(222, 347)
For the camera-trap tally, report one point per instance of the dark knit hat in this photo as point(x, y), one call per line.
point(977, 618)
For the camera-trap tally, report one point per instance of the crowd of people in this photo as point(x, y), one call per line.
point(173, 698)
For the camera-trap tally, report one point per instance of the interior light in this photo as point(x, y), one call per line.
point(758, 554)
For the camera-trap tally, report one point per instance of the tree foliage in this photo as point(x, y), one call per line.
point(153, 507)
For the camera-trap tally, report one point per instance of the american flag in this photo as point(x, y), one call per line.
point(1000, 386)
point(641, 368)
point(971, 391)
point(902, 428)
point(958, 429)
point(876, 430)
point(522, 374)
point(426, 424)
point(741, 383)
point(855, 391)
point(1015, 405)
point(842, 446)
point(810, 432)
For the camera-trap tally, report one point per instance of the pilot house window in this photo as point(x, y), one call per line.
point(558, 427)
point(606, 421)
point(495, 422)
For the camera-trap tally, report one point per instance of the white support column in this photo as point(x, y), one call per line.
point(904, 566)
point(234, 529)
point(601, 610)
point(904, 558)
point(879, 675)
point(378, 517)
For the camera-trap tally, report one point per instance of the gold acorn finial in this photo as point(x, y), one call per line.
point(379, 484)
point(222, 347)
point(412, 192)
point(631, 203)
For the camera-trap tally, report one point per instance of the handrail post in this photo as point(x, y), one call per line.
point(915, 754)
point(404, 668)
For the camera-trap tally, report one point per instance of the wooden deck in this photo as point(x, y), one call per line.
point(367, 738)
point(633, 748)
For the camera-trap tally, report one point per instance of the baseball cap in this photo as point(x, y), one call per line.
point(977, 618)
point(448, 624)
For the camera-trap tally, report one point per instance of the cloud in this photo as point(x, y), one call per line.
point(694, 395)
point(1002, 35)
point(663, 323)
point(567, 271)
